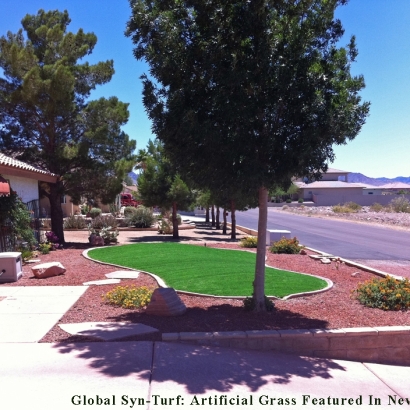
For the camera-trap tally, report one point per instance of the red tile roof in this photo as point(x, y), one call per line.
point(14, 163)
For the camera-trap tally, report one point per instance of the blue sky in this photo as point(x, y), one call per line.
point(383, 39)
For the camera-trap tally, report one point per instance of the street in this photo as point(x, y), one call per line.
point(345, 239)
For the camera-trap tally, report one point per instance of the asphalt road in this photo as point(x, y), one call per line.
point(340, 238)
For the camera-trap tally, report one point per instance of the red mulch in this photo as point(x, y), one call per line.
point(331, 309)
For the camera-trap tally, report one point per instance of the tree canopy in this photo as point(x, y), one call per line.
point(255, 92)
point(47, 119)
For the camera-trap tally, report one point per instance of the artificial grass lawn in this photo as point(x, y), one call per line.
point(205, 270)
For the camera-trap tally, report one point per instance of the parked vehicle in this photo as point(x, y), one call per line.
point(128, 200)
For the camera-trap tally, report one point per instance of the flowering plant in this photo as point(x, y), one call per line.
point(386, 294)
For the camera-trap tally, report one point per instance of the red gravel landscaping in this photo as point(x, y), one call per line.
point(331, 309)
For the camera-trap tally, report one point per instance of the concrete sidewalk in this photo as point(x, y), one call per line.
point(161, 375)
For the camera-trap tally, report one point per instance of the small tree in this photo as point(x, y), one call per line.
point(160, 185)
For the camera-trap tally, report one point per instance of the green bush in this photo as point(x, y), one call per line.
point(74, 222)
point(284, 245)
point(249, 242)
point(400, 204)
point(385, 294)
point(142, 217)
point(129, 297)
point(288, 201)
point(44, 248)
point(129, 211)
point(300, 200)
point(94, 212)
point(104, 221)
point(249, 304)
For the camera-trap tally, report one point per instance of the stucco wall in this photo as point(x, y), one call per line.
point(364, 200)
point(26, 188)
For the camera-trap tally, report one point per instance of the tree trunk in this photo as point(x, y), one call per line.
point(259, 282)
point(56, 212)
point(217, 222)
point(175, 233)
point(233, 220)
point(224, 227)
point(207, 214)
point(213, 215)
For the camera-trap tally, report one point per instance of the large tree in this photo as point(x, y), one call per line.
point(46, 117)
point(255, 92)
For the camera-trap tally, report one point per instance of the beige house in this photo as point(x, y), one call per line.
point(332, 190)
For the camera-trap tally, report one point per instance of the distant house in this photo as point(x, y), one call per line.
point(334, 189)
point(24, 178)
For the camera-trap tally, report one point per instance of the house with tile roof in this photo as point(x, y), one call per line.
point(24, 178)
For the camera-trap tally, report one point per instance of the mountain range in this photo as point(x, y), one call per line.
point(358, 177)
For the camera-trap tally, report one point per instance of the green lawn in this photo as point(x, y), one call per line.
point(205, 270)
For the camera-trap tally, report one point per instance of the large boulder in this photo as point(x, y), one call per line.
point(47, 270)
point(165, 302)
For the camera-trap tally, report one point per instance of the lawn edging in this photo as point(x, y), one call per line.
point(385, 345)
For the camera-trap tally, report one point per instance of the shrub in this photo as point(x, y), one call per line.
point(104, 221)
point(284, 207)
point(249, 304)
point(44, 248)
point(142, 218)
point(376, 207)
point(348, 207)
point(386, 294)
point(164, 226)
point(129, 211)
point(249, 242)
point(288, 201)
point(400, 204)
point(289, 246)
point(94, 212)
point(129, 297)
point(300, 200)
point(74, 222)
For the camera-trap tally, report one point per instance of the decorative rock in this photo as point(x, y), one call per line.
point(302, 252)
point(47, 270)
point(123, 274)
point(325, 261)
point(165, 302)
point(354, 274)
point(33, 261)
point(102, 282)
point(96, 240)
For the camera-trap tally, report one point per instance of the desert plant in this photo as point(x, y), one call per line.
point(386, 294)
point(129, 211)
point(376, 207)
point(249, 242)
point(284, 245)
point(74, 222)
point(284, 207)
point(164, 226)
point(103, 221)
point(300, 200)
point(400, 204)
point(94, 212)
point(129, 297)
point(349, 207)
point(142, 218)
point(44, 248)
point(249, 304)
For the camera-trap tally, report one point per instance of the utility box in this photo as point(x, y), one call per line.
point(274, 235)
point(10, 267)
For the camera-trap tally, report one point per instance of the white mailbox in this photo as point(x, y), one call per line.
point(274, 235)
point(10, 266)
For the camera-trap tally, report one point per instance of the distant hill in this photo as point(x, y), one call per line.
point(133, 176)
point(357, 177)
